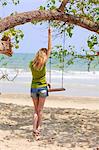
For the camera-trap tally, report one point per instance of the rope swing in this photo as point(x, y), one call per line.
point(62, 74)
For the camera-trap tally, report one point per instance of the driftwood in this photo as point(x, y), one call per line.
point(4, 75)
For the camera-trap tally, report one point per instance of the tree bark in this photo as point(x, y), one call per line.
point(63, 4)
point(40, 15)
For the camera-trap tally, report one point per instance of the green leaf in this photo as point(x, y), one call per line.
point(4, 4)
point(90, 45)
point(42, 8)
point(74, 11)
point(53, 1)
point(16, 46)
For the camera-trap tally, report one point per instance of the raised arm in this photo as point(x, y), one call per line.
point(49, 42)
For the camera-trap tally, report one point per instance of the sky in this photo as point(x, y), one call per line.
point(36, 35)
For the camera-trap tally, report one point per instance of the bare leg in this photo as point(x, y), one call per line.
point(39, 111)
point(35, 116)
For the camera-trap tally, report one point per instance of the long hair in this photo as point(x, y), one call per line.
point(40, 59)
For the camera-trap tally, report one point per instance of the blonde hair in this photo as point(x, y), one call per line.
point(40, 59)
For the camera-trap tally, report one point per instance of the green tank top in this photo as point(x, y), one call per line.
point(38, 77)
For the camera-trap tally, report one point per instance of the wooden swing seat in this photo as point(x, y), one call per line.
point(56, 89)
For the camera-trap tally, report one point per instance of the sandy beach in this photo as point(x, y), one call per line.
point(69, 123)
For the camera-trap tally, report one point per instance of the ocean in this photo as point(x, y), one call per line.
point(76, 79)
point(21, 61)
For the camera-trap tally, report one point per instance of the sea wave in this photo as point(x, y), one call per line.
point(76, 83)
point(53, 73)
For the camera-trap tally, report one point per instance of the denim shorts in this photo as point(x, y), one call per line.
point(39, 92)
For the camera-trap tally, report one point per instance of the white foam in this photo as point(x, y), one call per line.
point(54, 73)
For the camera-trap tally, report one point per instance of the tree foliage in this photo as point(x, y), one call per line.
point(5, 2)
point(87, 10)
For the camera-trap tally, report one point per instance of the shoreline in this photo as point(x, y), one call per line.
point(76, 83)
point(54, 101)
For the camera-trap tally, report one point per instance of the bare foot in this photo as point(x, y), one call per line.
point(36, 135)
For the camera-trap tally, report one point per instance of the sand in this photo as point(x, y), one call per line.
point(69, 123)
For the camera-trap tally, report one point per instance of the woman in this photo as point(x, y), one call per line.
point(39, 90)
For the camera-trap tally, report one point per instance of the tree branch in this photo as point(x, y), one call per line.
point(45, 15)
point(62, 6)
